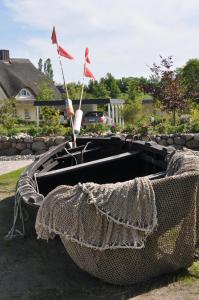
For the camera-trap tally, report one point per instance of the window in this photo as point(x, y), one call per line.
point(26, 114)
point(24, 93)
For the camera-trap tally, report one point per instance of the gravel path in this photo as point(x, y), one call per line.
point(9, 166)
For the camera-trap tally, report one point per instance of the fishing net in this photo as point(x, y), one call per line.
point(181, 161)
point(127, 232)
point(101, 216)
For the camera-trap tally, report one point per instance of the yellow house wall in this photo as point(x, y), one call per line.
point(20, 107)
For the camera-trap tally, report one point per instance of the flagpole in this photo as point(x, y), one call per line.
point(85, 67)
point(67, 95)
point(82, 91)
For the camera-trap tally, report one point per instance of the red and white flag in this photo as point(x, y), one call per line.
point(86, 56)
point(88, 73)
point(63, 52)
point(54, 36)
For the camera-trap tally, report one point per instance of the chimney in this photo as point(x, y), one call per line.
point(4, 55)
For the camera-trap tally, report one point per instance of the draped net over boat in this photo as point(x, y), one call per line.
point(131, 231)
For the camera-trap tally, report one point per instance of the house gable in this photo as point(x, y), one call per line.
point(25, 94)
point(2, 94)
point(17, 74)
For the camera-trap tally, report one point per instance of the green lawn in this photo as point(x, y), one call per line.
point(8, 181)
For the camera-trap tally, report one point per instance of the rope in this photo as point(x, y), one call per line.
point(22, 190)
point(71, 155)
point(14, 233)
point(83, 150)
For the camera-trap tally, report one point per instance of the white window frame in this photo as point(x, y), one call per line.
point(24, 94)
point(27, 115)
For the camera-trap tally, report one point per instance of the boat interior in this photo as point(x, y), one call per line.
point(101, 162)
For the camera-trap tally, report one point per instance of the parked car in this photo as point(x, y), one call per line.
point(96, 117)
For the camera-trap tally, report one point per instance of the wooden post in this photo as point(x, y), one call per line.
point(116, 114)
point(113, 113)
point(37, 116)
point(120, 117)
point(109, 110)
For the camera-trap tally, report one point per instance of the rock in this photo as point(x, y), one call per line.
point(192, 144)
point(163, 142)
point(50, 141)
point(170, 141)
point(8, 152)
point(28, 139)
point(4, 139)
point(39, 146)
point(52, 147)
point(40, 139)
point(196, 137)
point(59, 140)
point(14, 145)
point(164, 136)
point(39, 152)
point(26, 152)
point(20, 146)
point(158, 139)
point(29, 145)
point(5, 145)
point(12, 139)
point(21, 135)
point(179, 141)
point(188, 136)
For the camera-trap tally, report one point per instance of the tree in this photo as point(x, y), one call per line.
point(48, 68)
point(40, 65)
point(166, 86)
point(97, 89)
point(74, 90)
point(190, 76)
point(50, 115)
point(45, 93)
point(111, 85)
point(8, 112)
point(132, 110)
point(133, 90)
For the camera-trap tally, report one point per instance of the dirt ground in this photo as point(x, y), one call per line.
point(35, 270)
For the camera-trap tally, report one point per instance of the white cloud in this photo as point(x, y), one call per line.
point(123, 36)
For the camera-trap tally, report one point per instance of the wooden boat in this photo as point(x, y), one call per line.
point(100, 160)
point(172, 242)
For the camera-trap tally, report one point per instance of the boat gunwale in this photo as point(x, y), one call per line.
point(139, 145)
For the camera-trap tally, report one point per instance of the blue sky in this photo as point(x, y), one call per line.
point(123, 36)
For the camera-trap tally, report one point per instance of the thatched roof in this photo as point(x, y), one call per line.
point(16, 74)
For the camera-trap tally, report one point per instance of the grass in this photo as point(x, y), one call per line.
point(8, 181)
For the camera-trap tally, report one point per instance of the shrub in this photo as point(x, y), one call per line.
point(49, 130)
point(13, 131)
point(95, 128)
point(129, 128)
point(184, 119)
point(194, 127)
point(3, 130)
point(34, 131)
point(115, 128)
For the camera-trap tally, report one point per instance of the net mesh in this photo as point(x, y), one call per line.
point(127, 232)
point(107, 216)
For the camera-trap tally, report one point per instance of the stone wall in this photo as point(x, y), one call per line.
point(188, 140)
point(27, 145)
